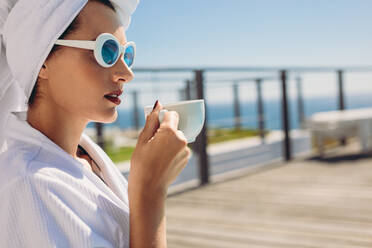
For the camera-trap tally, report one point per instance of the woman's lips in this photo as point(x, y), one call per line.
point(114, 96)
point(115, 100)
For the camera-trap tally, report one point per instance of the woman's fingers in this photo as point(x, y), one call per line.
point(184, 154)
point(179, 163)
point(152, 124)
point(171, 120)
point(168, 133)
point(181, 135)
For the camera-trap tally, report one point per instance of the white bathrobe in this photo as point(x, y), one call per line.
point(49, 199)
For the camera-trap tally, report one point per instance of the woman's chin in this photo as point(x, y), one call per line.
point(108, 117)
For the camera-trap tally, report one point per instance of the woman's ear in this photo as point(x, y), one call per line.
point(43, 73)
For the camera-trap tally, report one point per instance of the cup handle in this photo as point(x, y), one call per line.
point(161, 115)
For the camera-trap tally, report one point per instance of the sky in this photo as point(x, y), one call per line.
point(252, 32)
point(202, 33)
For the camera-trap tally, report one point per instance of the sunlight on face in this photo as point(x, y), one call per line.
point(76, 82)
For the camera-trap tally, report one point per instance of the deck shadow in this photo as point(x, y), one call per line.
point(338, 158)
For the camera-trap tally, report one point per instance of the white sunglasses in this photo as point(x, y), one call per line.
point(107, 49)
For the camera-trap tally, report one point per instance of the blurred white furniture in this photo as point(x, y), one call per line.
point(342, 124)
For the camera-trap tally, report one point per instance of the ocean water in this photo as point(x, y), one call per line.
point(222, 115)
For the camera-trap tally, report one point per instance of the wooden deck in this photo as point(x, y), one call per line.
point(306, 203)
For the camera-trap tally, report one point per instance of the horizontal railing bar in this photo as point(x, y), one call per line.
point(256, 69)
point(239, 80)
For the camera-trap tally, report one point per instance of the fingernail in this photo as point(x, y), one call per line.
point(156, 104)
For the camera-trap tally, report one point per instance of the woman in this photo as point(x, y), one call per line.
point(58, 188)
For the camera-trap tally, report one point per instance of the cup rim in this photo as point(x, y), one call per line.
point(177, 103)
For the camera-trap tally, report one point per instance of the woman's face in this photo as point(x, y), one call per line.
point(74, 83)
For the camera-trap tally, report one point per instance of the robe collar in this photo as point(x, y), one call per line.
point(19, 129)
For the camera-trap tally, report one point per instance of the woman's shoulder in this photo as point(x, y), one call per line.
point(21, 155)
point(15, 159)
point(47, 196)
point(21, 168)
point(16, 150)
point(24, 162)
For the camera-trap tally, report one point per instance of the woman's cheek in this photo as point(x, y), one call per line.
point(94, 69)
point(90, 76)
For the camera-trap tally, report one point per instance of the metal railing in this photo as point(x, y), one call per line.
point(195, 89)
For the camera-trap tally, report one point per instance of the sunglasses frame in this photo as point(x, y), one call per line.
point(97, 45)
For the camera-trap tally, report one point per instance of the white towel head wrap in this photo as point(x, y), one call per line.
point(28, 31)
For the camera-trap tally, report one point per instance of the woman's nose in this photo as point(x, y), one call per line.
point(122, 72)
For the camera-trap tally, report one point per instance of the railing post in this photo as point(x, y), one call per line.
point(260, 109)
point(182, 94)
point(285, 117)
point(99, 135)
point(341, 97)
point(237, 113)
point(185, 93)
point(188, 90)
point(135, 110)
point(201, 141)
point(300, 103)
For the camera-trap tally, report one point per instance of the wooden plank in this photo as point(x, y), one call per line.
point(307, 203)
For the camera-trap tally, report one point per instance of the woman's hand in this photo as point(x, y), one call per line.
point(160, 155)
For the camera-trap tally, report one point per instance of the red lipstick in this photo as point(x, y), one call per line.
point(114, 96)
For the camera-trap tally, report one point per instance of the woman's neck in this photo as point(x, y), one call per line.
point(60, 126)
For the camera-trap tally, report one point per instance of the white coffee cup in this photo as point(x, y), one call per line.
point(191, 116)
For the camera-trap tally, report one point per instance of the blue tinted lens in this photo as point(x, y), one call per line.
point(110, 52)
point(129, 55)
